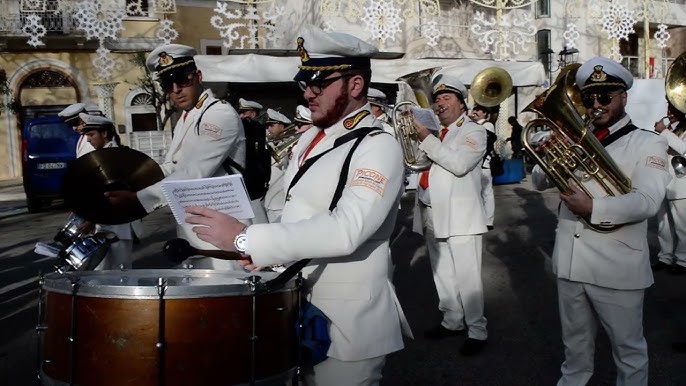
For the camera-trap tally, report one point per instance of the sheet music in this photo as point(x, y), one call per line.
point(226, 194)
point(426, 117)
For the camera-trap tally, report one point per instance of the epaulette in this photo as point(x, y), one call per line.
point(650, 131)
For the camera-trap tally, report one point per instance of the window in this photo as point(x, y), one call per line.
point(212, 47)
point(543, 48)
point(542, 8)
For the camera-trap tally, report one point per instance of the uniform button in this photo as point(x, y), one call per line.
point(577, 235)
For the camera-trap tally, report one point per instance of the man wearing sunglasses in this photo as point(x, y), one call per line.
point(208, 132)
point(347, 278)
point(603, 276)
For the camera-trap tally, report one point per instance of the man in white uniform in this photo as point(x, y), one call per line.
point(481, 115)
point(348, 275)
point(378, 100)
point(604, 275)
point(302, 119)
point(672, 215)
point(99, 133)
point(208, 133)
point(70, 116)
point(248, 109)
point(449, 199)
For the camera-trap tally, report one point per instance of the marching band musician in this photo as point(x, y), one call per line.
point(70, 116)
point(98, 131)
point(275, 197)
point(605, 274)
point(481, 115)
point(248, 109)
point(378, 101)
point(208, 133)
point(672, 214)
point(452, 212)
point(303, 119)
point(347, 277)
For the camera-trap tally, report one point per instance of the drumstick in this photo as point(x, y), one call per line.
point(178, 250)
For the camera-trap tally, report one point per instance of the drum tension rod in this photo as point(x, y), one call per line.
point(161, 290)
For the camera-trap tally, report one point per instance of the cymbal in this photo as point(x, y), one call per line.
point(115, 168)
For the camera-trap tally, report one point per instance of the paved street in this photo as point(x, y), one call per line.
point(524, 334)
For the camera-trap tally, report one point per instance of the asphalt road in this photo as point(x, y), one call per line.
point(524, 335)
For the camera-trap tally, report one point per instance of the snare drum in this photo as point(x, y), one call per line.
point(167, 327)
point(84, 254)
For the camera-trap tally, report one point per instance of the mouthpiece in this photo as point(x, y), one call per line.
point(178, 250)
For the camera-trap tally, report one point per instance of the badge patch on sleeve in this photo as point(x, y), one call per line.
point(471, 142)
point(656, 162)
point(210, 130)
point(370, 179)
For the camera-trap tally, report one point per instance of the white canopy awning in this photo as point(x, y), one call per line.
point(254, 68)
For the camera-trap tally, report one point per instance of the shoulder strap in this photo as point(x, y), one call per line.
point(618, 134)
point(197, 123)
point(359, 133)
point(293, 269)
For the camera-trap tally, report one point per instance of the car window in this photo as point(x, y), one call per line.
point(52, 138)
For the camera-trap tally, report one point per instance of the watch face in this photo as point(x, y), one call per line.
point(240, 242)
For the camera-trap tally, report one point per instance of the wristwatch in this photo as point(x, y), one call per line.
point(241, 242)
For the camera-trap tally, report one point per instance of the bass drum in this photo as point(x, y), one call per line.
point(167, 327)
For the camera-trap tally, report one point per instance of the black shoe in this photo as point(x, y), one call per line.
point(659, 266)
point(677, 269)
point(440, 332)
point(490, 227)
point(472, 346)
point(679, 346)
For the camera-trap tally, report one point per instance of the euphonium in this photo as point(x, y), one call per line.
point(573, 148)
point(403, 120)
point(675, 90)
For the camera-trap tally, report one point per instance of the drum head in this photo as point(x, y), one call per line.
point(144, 283)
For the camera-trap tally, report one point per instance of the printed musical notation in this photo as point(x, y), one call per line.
point(226, 194)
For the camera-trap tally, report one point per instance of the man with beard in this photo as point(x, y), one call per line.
point(604, 275)
point(345, 235)
point(450, 205)
point(208, 133)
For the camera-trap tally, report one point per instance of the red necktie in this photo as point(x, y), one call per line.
point(424, 177)
point(601, 133)
point(314, 142)
point(185, 114)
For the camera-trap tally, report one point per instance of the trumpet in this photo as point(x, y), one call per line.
point(286, 133)
point(675, 83)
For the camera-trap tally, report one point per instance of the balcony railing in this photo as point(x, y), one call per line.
point(55, 24)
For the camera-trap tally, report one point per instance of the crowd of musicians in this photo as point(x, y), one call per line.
point(338, 175)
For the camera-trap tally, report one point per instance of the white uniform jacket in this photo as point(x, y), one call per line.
point(677, 188)
point(275, 198)
point(619, 259)
point(199, 154)
point(83, 146)
point(123, 231)
point(349, 245)
point(455, 179)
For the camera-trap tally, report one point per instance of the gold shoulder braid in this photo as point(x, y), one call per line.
point(201, 101)
point(351, 122)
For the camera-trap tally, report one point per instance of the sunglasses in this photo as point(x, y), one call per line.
point(181, 81)
point(318, 86)
point(604, 99)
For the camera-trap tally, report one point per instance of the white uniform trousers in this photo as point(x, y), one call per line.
point(487, 195)
point(672, 238)
point(621, 314)
point(333, 372)
point(456, 266)
point(119, 256)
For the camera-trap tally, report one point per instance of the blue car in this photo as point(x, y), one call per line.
point(48, 145)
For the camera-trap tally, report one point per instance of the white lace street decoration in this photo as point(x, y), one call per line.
point(164, 6)
point(615, 54)
point(354, 9)
point(103, 64)
point(571, 35)
point(382, 20)
point(242, 27)
point(505, 38)
point(618, 21)
point(33, 6)
point(34, 30)
point(661, 36)
point(135, 8)
point(432, 33)
point(328, 26)
point(101, 20)
point(166, 31)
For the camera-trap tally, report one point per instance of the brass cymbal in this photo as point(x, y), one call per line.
point(116, 168)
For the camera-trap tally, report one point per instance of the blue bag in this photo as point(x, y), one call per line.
point(313, 330)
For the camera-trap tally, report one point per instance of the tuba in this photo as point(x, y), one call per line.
point(573, 147)
point(675, 86)
point(491, 86)
point(403, 120)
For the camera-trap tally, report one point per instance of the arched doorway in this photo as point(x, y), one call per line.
point(142, 132)
point(46, 91)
